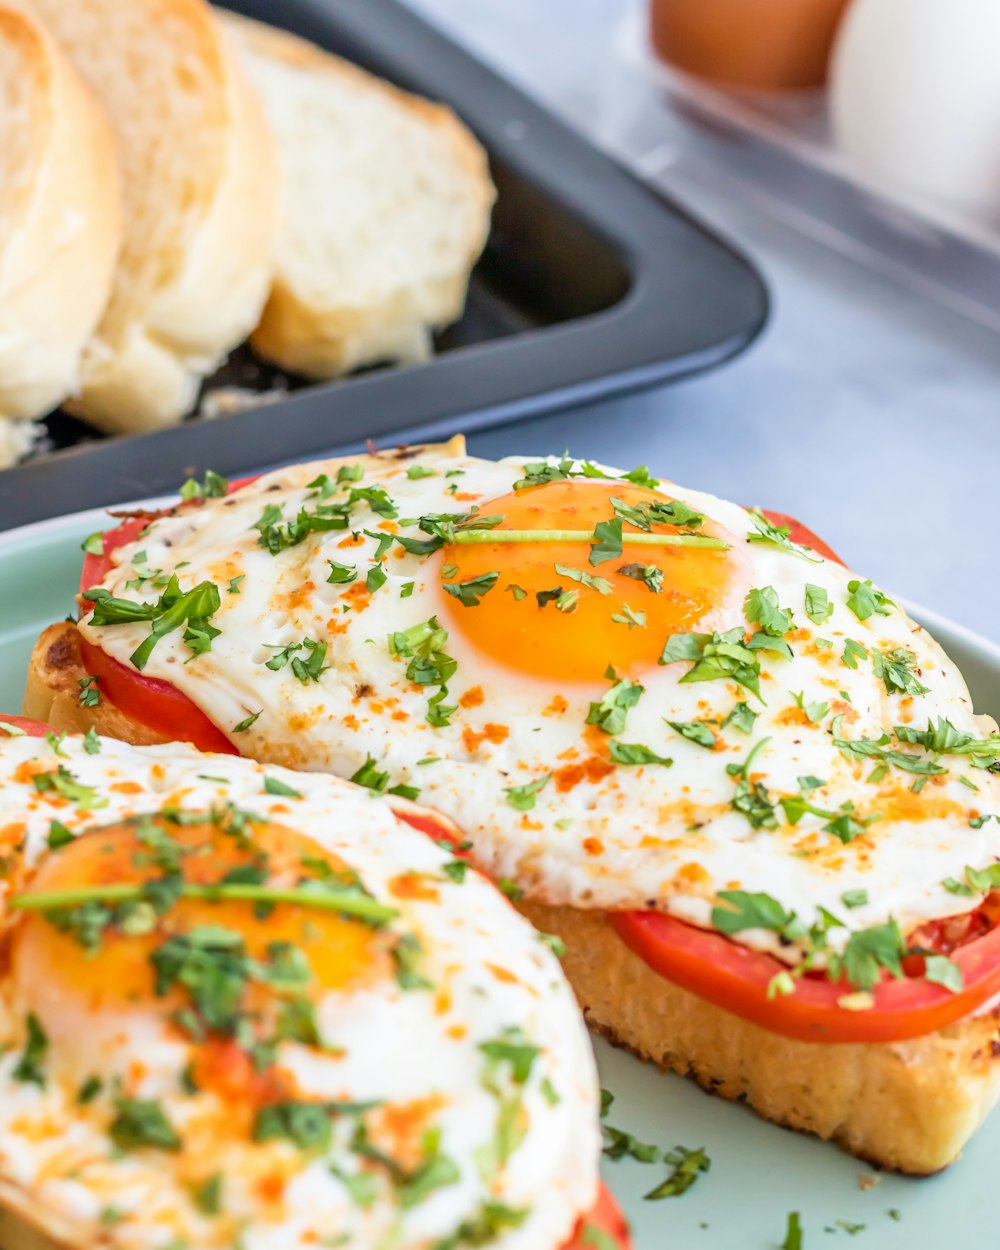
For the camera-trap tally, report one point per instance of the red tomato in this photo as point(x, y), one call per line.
point(606, 1217)
point(731, 976)
point(156, 704)
point(33, 728)
point(151, 702)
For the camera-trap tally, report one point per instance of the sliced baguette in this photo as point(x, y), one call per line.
point(386, 207)
point(60, 224)
point(905, 1106)
point(200, 182)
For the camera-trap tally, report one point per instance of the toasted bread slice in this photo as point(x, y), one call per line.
point(386, 206)
point(200, 184)
point(60, 206)
point(907, 1106)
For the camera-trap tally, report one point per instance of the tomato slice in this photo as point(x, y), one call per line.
point(156, 704)
point(731, 976)
point(605, 1217)
point(33, 728)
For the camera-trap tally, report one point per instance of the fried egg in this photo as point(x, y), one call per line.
point(627, 693)
point(240, 1006)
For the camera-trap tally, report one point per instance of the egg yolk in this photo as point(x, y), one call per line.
point(73, 988)
point(642, 597)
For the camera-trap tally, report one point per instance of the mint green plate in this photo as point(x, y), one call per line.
point(758, 1173)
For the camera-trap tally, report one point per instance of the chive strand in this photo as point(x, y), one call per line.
point(486, 537)
point(355, 905)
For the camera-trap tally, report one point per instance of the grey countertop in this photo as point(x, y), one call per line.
point(866, 410)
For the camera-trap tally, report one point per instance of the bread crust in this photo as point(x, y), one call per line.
point(174, 313)
point(904, 1106)
point(324, 340)
point(63, 232)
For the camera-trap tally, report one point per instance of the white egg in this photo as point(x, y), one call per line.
point(915, 99)
point(397, 1058)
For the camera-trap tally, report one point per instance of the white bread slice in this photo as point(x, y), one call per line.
point(386, 207)
point(905, 1106)
point(60, 224)
point(200, 181)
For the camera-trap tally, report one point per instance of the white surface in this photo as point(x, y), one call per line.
point(867, 411)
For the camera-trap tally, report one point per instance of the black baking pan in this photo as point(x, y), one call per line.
point(590, 284)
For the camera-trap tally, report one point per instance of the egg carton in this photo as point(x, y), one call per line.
point(778, 148)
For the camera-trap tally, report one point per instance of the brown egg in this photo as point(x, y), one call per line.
point(765, 44)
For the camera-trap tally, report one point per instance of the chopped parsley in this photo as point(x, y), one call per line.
point(650, 574)
point(636, 753)
point(745, 910)
point(761, 606)
point(687, 1165)
point(215, 486)
point(90, 696)
point(311, 668)
point(941, 737)
point(607, 543)
point(58, 836)
point(341, 574)
point(815, 711)
point(696, 731)
point(370, 777)
point(470, 593)
point(778, 536)
point(819, 609)
point(611, 712)
point(793, 1233)
point(174, 609)
point(742, 717)
point(307, 1125)
point(895, 669)
point(590, 580)
point(522, 798)
point(853, 651)
point(273, 786)
point(63, 783)
point(29, 1070)
point(865, 601)
point(715, 656)
point(139, 1123)
point(620, 1145)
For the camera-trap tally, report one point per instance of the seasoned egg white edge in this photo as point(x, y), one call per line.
point(397, 1048)
point(617, 844)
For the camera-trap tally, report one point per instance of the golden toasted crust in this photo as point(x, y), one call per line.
point(25, 1224)
point(52, 692)
point(905, 1106)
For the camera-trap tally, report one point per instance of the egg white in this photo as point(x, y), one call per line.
point(489, 972)
point(643, 837)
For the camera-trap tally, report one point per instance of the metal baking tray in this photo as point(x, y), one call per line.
point(591, 284)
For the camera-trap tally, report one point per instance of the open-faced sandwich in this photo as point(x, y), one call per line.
point(242, 1007)
point(745, 789)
